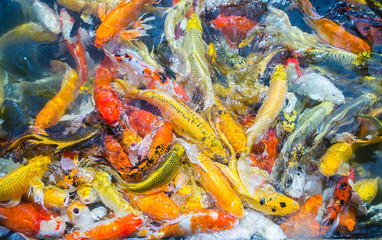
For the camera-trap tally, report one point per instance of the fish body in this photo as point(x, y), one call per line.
point(199, 221)
point(114, 228)
point(367, 189)
point(75, 45)
point(110, 196)
point(54, 197)
point(303, 223)
point(33, 221)
point(225, 122)
point(341, 196)
point(174, 16)
point(55, 108)
point(86, 194)
point(46, 16)
point(194, 46)
point(330, 32)
point(309, 120)
point(106, 100)
point(116, 155)
point(143, 122)
point(165, 172)
point(271, 107)
point(342, 115)
point(157, 206)
point(88, 6)
point(337, 154)
point(333, 56)
point(268, 201)
point(235, 28)
point(117, 19)
point(184, 120)
point(60, 143)
point(217, 186)
point(143, 73)
point(158, 148)
point(317, 87)
point(17, 182)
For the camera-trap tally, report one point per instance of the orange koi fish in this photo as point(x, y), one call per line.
point(331, 32)
point(74, 45)
point(200, 221)
point(143, 122)
point(116, 155)
point(115, 228)
point(32, 221)
point(265, 152)
point(342, 194)
point(235, 28)
point(56, 107)
point(105, 99)
point(158, 148)
point(125, 14)
point(157, 206)
point(347, 220)
point(302, 224)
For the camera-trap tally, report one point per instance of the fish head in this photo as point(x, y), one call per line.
point(293, 181)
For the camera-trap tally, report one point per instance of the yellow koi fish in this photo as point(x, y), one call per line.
point(271, 107)
point(16, 183)
point(184, 120)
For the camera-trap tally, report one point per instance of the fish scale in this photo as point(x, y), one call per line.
point(17, 182)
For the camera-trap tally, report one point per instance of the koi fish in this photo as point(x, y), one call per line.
point(86, 194)
point(302, 223)
point(88, 7)
point(184, 120)
point(165, 172)
point(105, 99)
point(117, 19)
point(116, 155)
point(270, 109)
point(265, 152)
point(194, 46)
point(56, 107)
point(143, 122)
point(342, 194)
point(337, 154)
point(205, 220)
point(157, 206)
point(141, 72)
point(231, 130)
point(216, 185)
point(75, 46)
point(60, 143)
point(46, 16)
point(34, 222)
point(235, 28)
point(331, 32)
point(367, 189)
point(347, 219)
point(17, 182)
point(110, 196)
point(114, 228)
point(158, 147)
point(343, 115)
point(317, 87)
point(27, 32)
point(175, 15)
point(54, 197)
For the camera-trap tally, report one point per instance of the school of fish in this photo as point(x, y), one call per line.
point(189, 118)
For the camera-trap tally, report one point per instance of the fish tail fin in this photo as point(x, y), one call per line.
point(121, 87)
point(307, 8)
